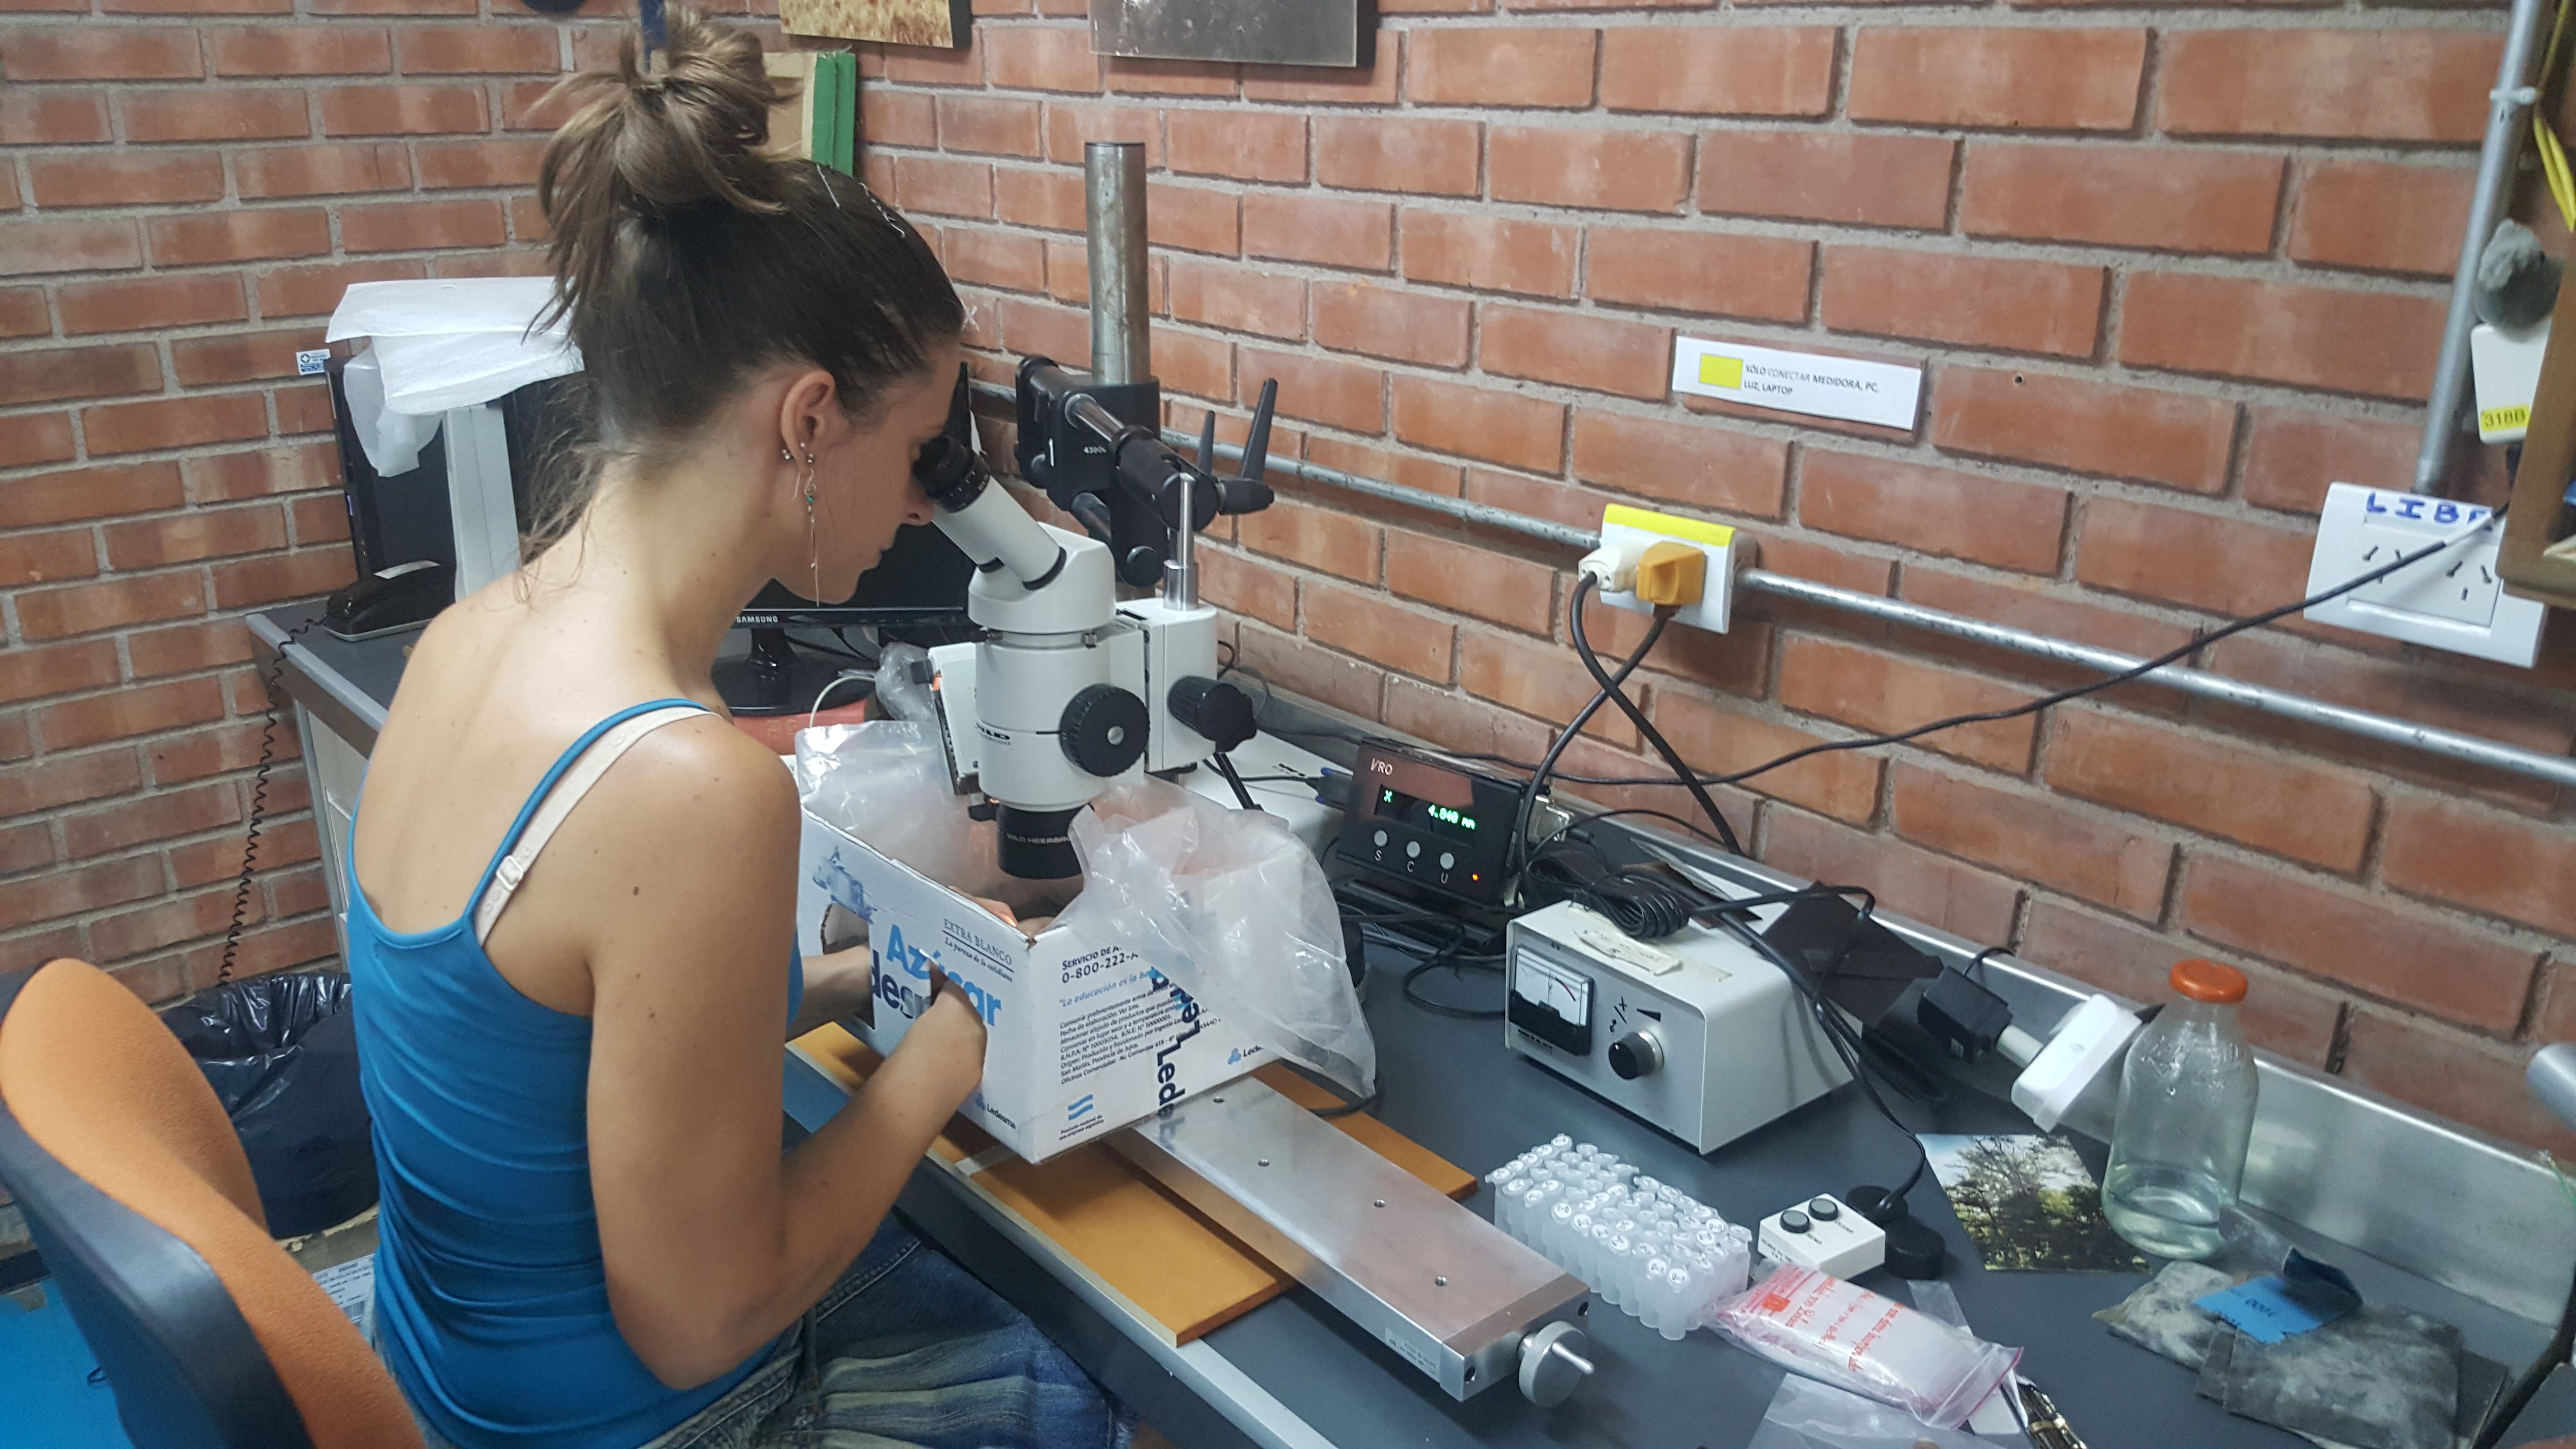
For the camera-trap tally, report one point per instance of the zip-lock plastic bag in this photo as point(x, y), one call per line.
point(885, 783)
point(1808, 1415)
point(1233, 907)
point(1818, 1325)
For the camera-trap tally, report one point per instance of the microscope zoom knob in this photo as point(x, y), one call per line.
point(1638, 1054)
point(1216, 709)
point(1103, 730)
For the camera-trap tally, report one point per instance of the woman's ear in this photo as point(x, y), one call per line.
point(809, 414)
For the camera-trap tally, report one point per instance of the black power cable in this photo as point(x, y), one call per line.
point(1619, 696)
point(258, 802)
point(1537, 784)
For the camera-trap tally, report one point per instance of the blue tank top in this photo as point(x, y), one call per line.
point(491, 1297)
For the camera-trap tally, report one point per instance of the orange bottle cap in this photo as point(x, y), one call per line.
point(2208, 981)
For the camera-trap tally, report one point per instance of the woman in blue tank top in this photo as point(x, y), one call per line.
point(572, 882)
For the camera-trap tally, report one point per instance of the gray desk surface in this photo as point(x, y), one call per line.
point(1451, 1085)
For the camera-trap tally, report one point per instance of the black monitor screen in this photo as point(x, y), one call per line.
point(921, 579)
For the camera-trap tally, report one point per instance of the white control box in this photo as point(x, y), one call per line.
point(1823, 1234)
point(2452, 600)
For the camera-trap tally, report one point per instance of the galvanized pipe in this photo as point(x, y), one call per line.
point(2508, 108)
point(1113, 198)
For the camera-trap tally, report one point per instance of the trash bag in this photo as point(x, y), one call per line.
point(281, 1053)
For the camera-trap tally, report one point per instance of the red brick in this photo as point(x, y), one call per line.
point(262, 50)
point(929, 65)
point(139, 178)
point(2346, 341)
point(31, 248)
point(1381, 153)
point(151, 303)
point(322, 170)
point(84, 52)
point(1191, 218)
point(27, 438)
point(1806, 556)
point(313, 290)
point(1317, 538)
point(1328, 231)
point(174, 422)
point(1317, 673)
point(1736, 662)
point(305, 409)
point(2206, 560)
point(1331, 84)
point(33, 673)
point(2009, 303)
point(1500, 427)
point(390, 226)
point(114, 603)
point(1979, 76)
point(1049, 199)
point(150, 818)
point(52, 373)
point(1488, 66)
point(1603, 170)
point(2085, 426)
point(1576, 349)
point(1035, 58)
point(1388, 465)
point(1008, 260)
point(484, 48)
point(1243, 299)
point(390, 7)
point(988, 125)
point(1720, 740)
point(942, 186)
point(1493, 254)
point(1367, 625)
point(2467, 1079)
point(90, 493)
point(1693, 464)
point(37, 558)
point(896, 118)
point(178, 759)
point(1467, 579)
point(1885, 694)
point(1072, 124)
point(139, 709)
point(1388, 322)
point(1458, 722)
point(401, 110)
point(1241, 585)
point(2272, 802)
point(215, 114)
point(1068, 271)
point(2380, 216)
point(536, 105)
point(2359, 940)
point(1934, 510)
point(51, 117)
point(1035, 329)
point(65, 893)
point(188, 537)
point(167, 923)
point(61, 779)
point(1761, 277)
point(1738, 70)
point(2370, 82)
point(1247, 145)
point(2035, 606)
point(1346, 395)
point(281, 843)
point(2280, 1013)
point(2035, 837)
point(184, 648)
point(276, 577)
point(1941, 893)
point(236, 236)
point(2170, 198)
point(2291, 455)
point(1540, 679)
point(502, 161)
point(227, 477)
point(1171, 77)
point(23, 314)
point(319, 520)
point(26, 847)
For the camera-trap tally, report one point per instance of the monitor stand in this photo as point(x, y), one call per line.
point(773, 678)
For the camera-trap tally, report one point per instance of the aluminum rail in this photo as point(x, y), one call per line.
point(2424, 739)
point(2508, 107)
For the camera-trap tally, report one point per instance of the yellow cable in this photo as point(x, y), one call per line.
point(2553, 156)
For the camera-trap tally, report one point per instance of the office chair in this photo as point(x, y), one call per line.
point(138, 1195)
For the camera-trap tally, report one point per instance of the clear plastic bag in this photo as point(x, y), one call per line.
point(1809, 1415)
point(1232, 906)
point(1816, 1324)
point(885, 783)
point(903, 688)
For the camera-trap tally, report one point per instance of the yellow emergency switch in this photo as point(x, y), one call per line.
point(1672, 573)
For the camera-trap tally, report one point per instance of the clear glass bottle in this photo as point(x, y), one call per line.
point(2186, 1114)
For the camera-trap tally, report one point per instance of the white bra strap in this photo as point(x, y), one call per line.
point(559, 802)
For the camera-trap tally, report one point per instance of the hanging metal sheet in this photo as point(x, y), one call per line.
point(1265, 32)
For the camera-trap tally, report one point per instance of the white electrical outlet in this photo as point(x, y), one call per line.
point(1619, 523)
point(2452, 600)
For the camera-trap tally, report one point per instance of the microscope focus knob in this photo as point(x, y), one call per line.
point(1216, 709)
point(1638, 1054)
point(1103, 730)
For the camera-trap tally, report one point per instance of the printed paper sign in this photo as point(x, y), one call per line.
point(1799, 382)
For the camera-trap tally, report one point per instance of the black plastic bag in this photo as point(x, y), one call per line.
point(282, 1055)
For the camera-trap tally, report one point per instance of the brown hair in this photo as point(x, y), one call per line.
point(687, 257)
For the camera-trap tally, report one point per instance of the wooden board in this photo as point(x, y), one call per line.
point(1176, 1269)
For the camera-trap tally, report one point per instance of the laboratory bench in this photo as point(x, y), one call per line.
point(1294, 1374)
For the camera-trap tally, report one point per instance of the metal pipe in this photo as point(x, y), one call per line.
point(1113, 196)
point(2507, 107)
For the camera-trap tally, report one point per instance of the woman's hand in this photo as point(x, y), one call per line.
point(948, 1038)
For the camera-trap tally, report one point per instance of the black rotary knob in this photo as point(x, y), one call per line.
point(1215, 709)
point(1103, 730)
point(1636, 1055)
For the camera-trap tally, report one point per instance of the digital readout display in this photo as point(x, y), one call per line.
point(1425, 814)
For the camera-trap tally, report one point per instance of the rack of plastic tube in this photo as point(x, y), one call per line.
point(1648, 1248)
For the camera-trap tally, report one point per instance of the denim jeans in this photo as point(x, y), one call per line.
point(907, 1351)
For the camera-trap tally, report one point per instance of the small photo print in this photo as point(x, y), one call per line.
point(2029, 1205)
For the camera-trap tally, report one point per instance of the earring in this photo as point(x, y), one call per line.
point(813, 550)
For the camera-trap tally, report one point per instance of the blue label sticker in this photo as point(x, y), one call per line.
point(2268, 1310)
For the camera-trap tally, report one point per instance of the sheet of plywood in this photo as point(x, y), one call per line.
point(897, 22)
point(1174, 1267)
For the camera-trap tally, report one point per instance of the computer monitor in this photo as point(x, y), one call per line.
point(918, 588)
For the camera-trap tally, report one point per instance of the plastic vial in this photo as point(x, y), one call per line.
point(2186, 1113)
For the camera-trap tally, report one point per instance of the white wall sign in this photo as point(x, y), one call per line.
point(1799, 382)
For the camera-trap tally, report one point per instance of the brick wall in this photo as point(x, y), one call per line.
point(2169, 277)
point(185, 188)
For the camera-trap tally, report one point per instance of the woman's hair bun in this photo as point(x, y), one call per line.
point(689, 130)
